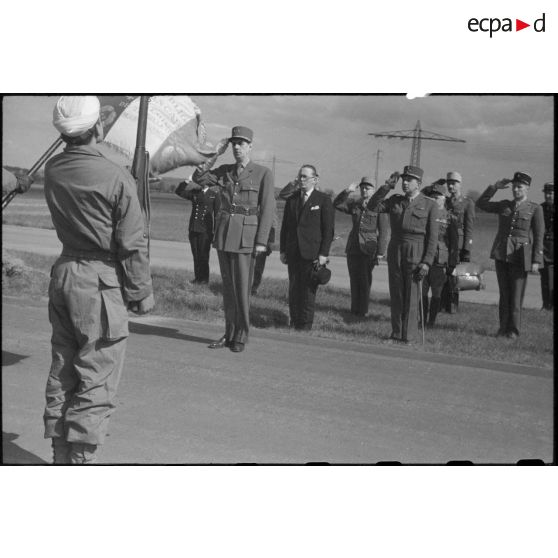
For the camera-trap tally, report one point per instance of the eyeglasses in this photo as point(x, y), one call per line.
point(305, 177)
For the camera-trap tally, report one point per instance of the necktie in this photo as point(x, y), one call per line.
point(239, 170)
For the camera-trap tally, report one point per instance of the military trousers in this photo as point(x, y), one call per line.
point(259, 266)
point(89, 333)
point(512, 281)
point(200, 243)
point(236, 272)
point(547, 285)
point(360, 267)
point(403, 259)
point(434, 281)
point(302, 293)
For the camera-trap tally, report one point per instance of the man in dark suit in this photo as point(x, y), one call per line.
point(306, 236)
point(517, 248)
point(245, 206)
point(200, 227)
point(547, 272)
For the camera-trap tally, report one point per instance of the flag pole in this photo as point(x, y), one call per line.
point(40, 162)
point(140, 166)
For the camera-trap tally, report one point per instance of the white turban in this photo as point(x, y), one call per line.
point(74, 115)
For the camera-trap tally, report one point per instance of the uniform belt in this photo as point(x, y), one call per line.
point(242, 210)
point(409, 237)
point(89, 255)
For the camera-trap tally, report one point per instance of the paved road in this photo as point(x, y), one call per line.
point(288, 399)
point(177, 255)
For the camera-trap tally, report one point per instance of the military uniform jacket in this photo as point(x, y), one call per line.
point(244, 205)
point(519, 239)
point(97, 215)
point(309, 227)
point(448, 247)
point(463, 208)
point(410, 220)
point(548, 241)
point(203, 204)
point(370, 231)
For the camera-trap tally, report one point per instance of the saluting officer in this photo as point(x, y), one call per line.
point(517, 248)
point(200, 227)
point(411, 250)
point(463, 208)
point(367, 241)
point(446, 253)
point(547, 272)
point(245, 206)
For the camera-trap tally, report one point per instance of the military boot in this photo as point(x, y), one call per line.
point(83, 454)
point(60, 451)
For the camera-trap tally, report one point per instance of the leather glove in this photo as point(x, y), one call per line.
point(464, 255)
point(420, 272)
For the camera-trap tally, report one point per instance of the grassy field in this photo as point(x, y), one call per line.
point(469, 333)
point(170, 214)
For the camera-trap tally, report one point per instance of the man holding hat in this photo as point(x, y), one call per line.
point(411, 250)
point(463, 209)
point(102, 271)
point(305, 240)
point(366, 243)
point(244, 206)
point(517, 248)
point(547, 272)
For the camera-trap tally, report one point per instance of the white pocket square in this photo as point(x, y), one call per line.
point(314, 207)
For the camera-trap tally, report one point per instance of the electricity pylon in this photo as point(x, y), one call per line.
point(417, 135)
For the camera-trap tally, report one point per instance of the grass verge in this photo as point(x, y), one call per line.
point(470, 333)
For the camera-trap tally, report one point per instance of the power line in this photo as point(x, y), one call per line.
point(417, 135)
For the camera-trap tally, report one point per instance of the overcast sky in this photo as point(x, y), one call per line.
point(503, 134)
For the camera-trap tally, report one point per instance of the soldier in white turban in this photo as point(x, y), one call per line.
point(103, 271)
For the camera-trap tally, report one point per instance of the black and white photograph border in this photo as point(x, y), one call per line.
point(297, 47)
point(343, 393)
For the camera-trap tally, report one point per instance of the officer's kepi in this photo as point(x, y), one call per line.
point(243, 133)
point(522, 177)
point(412, 172)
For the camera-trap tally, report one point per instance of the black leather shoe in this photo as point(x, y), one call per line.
point(220, 343)
point(237, 347)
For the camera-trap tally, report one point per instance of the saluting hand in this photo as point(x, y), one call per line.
point(392, 180)
point(352, 187)
point(502, 184)
point(222, 146)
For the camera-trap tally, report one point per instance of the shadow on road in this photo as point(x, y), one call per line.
point(12, 454)
point(11, 358)
point(145, 329)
